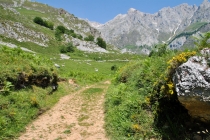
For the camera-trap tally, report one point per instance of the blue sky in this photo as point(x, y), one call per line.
point(104, 10)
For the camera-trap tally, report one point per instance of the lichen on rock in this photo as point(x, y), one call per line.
point(192, 84)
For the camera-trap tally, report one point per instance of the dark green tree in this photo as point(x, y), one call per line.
point(100, 42)
point(39, 21)
point(44, 23)
point(61, 28)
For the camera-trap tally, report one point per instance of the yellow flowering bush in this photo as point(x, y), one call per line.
point(178, 60)
point(165, 85)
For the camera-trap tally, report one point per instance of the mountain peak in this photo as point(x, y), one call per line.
point(205, 4)
point(131, 10)
point(205, 1)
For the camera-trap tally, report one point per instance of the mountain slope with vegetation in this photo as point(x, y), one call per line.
point(18, 26)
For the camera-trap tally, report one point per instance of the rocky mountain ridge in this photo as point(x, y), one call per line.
point(138, 29)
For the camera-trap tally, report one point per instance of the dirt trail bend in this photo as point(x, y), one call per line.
point(77, 116)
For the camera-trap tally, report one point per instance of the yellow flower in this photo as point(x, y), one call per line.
point(147, 100)
point(136, 127)
point(171, 92)
point(162, 88)
point(170, 85)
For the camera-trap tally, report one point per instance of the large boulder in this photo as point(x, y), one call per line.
point(192, 84)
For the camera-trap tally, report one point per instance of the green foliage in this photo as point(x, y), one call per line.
point(114, 68)
point(128, 113)
point(89, 38)
point(68, 48)
point(159, 50)
point(58, 34)
point(18, 108)
point(74, 35)
point(6, 88)
point(100, 42)
point(63, 49)
point(195, 26)
point(192, 29)
point(23, 69)
point(40, 21)
point(142, 99)
point(69, 32)
point(80, 37)
point(61, 29)
point(203, 42)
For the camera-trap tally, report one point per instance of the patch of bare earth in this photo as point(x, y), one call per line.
point(72, 118)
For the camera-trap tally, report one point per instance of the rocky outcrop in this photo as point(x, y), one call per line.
point(177, 43)
point(88, 46)
point(192, 84)
point(202, 14)
point(21, 33)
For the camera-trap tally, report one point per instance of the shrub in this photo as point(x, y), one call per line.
point(38, 20)
point(69, 32)
point(100, 42)
point(31, 69)
point(74, 35)
point(44, 23)
point(114, 68)
point(89, 38)
point(58, 35)
point(68, 48)
point(61, 28)
point(159, 50)
point(50, 25)
point(80, 37)
point(63, 49)
point(204, 42)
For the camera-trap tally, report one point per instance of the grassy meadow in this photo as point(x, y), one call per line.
point(18, 107)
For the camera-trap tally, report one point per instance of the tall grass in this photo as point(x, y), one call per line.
point(137, 109)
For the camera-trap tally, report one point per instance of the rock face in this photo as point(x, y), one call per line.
point(192, 84)
point(138, 29)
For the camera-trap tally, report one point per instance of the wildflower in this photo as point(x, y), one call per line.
point(162, 88)
point(171, 92)
point(170, 85)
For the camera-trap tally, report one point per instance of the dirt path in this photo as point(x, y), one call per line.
point(77, 116)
